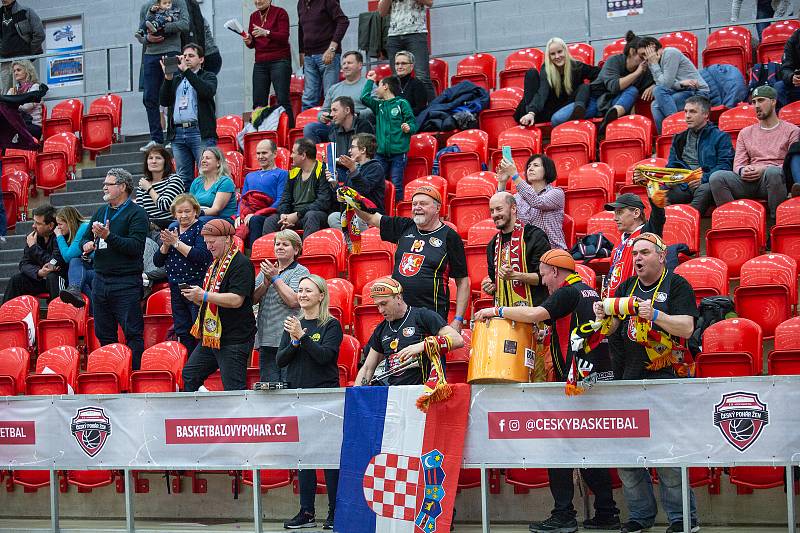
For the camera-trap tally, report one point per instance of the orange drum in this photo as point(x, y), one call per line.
point(498, 351)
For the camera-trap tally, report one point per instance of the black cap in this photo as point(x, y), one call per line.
point(626, 200)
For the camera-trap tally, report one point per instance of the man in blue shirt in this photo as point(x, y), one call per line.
point(270, 180)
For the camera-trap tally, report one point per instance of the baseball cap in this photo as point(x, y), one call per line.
point(628, 199)
point(764, 91)
point(217, 228)
point(385, 286)
point(651, 237)
point(558, 258)
point(428, 191)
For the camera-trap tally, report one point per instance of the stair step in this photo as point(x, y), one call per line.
point(101, 171)
point(10, 255)
point(122, 159)
point(9, 269)
point(77, 197)
point(128, 147)
point(15, 242)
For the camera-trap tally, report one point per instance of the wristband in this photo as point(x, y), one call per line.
point(655, 314)
point(205, 296)
point(459, 318)
point(295, 342)
point(500, 312)
point(273, 279)
point(515, 177)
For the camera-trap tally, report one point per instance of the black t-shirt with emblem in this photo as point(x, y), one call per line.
point(570, 306)
point(391, 337)
point(424, 261)
point(629, 357)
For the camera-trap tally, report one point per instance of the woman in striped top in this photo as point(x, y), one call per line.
point(159, 187)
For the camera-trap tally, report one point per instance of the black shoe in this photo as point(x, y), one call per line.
point(602, 522)
point(328, 521)
point(72, 296)
point(795, 190)
point(555, 525)
point(632, 526)
point(303, 519)
point(578, 112)
point(611, 116)
point(677, 527)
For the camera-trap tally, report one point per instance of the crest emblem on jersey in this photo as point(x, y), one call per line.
point(91, 428)
point(436, 243)
point(417, 245)
point(407, 332)
point(740, 417)
point(660, 297)
point(410, 264)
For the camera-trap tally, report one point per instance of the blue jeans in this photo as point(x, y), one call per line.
point(117, 302)
point(626, 99)
point(317, 132)
point(564, 114)
point(394, 166)
point(80, 275)
point(184, 313)
point(668, 101)
point(794, 164)
point(152, 78)
point(187, 147)
point(787, 93)
point(318, 78)
point(637, 486)
point(230, 359)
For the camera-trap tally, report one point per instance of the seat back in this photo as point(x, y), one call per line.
point(340, 293)
point(481, 233)
point(708, 276)
point(112, 358)
point(440, 74)
point(169, 356)
point(582, 52)
point(735, 335)
point(156, 328)
point(613, 48)
point(233, 121)
point(787, 335)
point(508, 98)
point(63, 360)
point(421, 154)
point(14, 364)
point(682, 226)
point(250, 142)
point(478, 184)
point(603, 222)
point(521, 137)
point(349, 355)
point(592, 176)
point(631, 127)
point(235, 162)
point(770, 269)
point(684, 41)
point(485, 64)
point(524, 59)
point(71, 109)
point(734, 120)
point(471, 141)
point(159, 303)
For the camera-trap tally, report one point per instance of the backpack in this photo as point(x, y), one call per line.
point(592, 246)
point(764, 74)
point(712, 309)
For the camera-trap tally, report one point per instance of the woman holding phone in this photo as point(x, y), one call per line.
point(184, 255)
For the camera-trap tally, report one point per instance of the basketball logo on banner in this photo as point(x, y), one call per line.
point(740, 417)
point(91, 428)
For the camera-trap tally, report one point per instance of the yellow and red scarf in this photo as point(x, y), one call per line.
point(510, 293)
point(353, 200)
point(436, 387)
point(661, 180)
point(208, 326)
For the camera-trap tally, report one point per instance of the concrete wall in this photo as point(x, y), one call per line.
point(502, 26)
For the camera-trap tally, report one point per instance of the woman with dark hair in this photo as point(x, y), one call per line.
point(622, 80)
point(675, 76)
point(560, 94)
point(538, 202)
point(309, 350)
point(159, 187)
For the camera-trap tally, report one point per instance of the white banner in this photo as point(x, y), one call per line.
point(691, 422)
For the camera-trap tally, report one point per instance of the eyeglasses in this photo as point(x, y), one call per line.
point(401, 63)
point(106, 184)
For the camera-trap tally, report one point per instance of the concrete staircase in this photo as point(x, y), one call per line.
point(84, 193)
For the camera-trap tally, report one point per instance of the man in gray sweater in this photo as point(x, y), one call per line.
point(156, 46)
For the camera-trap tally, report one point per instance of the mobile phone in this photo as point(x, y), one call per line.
point(53, 262)
point(507, 153)
point(183, 286)
point(170, 64)
point(797, 72)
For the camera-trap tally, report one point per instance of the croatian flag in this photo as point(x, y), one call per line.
point(399, 466)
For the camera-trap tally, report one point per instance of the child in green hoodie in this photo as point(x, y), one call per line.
point(394, 125)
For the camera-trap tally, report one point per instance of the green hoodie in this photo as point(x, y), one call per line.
point(389, 116)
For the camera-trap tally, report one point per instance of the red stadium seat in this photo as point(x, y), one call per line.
point(97, 128)
point(568, 228)
point(737, 233)
point(24, 309)
point(684, 41)
point(108, 370)
point(231, 121)
point(735, 120)
point(474, 146)
point(159, 303)
point(682, 227)
point(477, 264)
point(628, 140)
point(790, 113)
point(500, 115)
point(340, 293)
point(471, 204)
point(161, 369)
point(56, 332)
point(785, 234)
point(14, 335)
point(523, 141)
point(590, 188)
point(51, 171)
point(613, 48)
point(437, 183)
point(63, 361)
point(92, 343)
point(582, 52)
point(735, 339)
point(349, 355)
point(785, 358)
point(270, 479)
point(708, 276)
point(524, 479)
point(440, 74)
point(773, 39)
point(421, 153)
point(226, 138)
point(517, 64)
point(235, 162)
point(571, 145)
point(15, 188)
point(65, 117)
point(325, 250)
point(588, 275)
point(300, 121)
point(767, 292)
point(603, 222)
point(57, 309)
point(375, 260)
point(250, 142)
point(480, 69)
point(458, 359)
point(14, 365)
point(731, 46)
point(481, 232)
point(747, 478)
point(384, 70)
point(366, 319)
point(672, 125)
point(156, 328)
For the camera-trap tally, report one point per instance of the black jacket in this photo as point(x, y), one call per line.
point(791, 57)
point(545, 102)
point(439, 115)
point(205, 83)
point(36, 256)
point(313, 363)
point(369, 180)
point(414, 91)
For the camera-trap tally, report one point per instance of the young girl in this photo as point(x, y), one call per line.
point(394, 125)
point(69, 230)
point(309, 349)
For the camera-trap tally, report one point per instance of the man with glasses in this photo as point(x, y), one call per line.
point(408, 30)
point(411, 88)
point(119, 230)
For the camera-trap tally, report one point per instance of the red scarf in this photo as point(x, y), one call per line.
point(621, 263)
point(510, 293)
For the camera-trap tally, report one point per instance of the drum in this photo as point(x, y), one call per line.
point(498, 351)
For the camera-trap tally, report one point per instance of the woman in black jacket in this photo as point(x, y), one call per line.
point(309, 349)
point(552, 95)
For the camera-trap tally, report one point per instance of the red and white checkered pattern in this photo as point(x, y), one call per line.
point(390, 485)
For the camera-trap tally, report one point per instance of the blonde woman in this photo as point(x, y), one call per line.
point(309, 350)
point(69, 231)
point(25, 81)
point(561, 93)
point(213, 188)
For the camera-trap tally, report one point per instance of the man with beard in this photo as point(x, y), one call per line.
point(650, 345)
point(429, 252)
point(758, 163)
point(513, 256)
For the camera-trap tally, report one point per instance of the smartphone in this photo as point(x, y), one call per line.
point(183, 286)
point(797, 72)
point(171, 64)
point(53, 262)
point(507, 153)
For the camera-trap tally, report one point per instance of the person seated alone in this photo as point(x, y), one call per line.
point(269, 179)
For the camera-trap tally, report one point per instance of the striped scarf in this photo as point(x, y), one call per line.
point(208, 314)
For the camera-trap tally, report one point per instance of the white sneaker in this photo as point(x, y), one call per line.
point(147, 146)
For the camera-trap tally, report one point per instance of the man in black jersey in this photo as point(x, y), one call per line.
point(429, 252)
point(514, 268)
point(401, 336)
point(570, 304)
